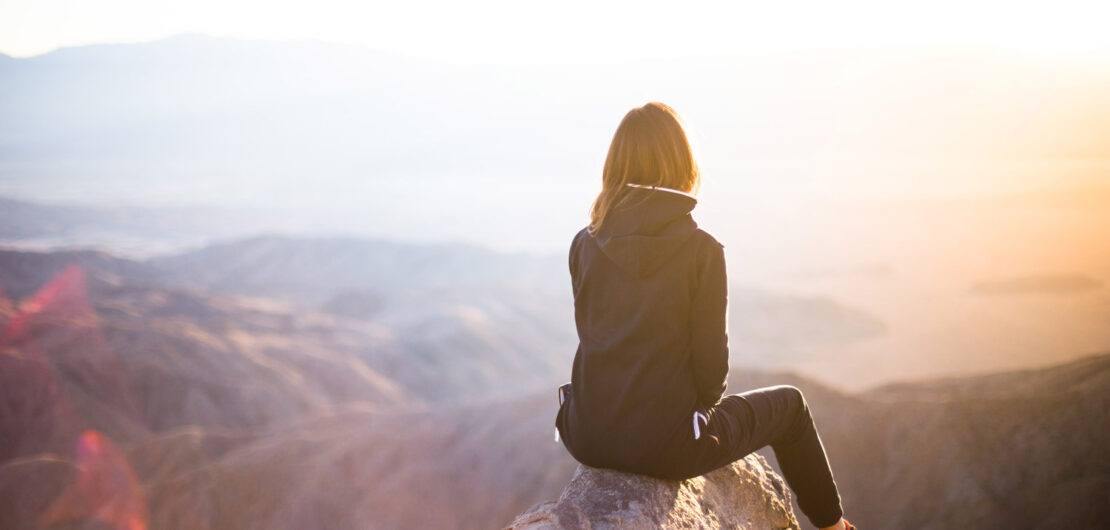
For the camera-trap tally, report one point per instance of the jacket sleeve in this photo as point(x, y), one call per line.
point(572, 260)
point(708, 331)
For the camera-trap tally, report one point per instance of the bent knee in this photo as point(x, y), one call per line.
point(795, 396)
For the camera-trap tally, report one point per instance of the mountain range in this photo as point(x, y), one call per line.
point(193, 119)
point(235, 406)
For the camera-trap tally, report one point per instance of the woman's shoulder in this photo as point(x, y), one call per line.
point(580, 237)
point(705, 239)
point(584, 232)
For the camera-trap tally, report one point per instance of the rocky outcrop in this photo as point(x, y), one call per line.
point(746, 494)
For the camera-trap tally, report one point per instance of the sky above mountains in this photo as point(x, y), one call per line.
point(374, 142)
point(574, 31)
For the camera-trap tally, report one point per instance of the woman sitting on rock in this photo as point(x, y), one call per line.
point(650, 301)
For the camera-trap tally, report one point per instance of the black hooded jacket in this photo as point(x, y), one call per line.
point(650, 299)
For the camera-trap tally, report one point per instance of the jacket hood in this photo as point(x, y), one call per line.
point(639, 238)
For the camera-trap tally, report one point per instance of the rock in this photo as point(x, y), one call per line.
point(746, 494)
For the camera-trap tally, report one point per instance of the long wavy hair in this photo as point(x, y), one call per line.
point(650, 148)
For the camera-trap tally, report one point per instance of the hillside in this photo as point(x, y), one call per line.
point(355, 467)
point(235, 406)
point(1013, 449)
point(203, 391)
point(436, 339)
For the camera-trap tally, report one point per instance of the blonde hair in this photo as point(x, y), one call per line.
point(650, 148)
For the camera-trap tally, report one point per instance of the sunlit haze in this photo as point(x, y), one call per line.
point(296, 265)
point(565, 31)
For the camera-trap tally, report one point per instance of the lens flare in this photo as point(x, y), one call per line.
point(64, 296)
point(33, 399)
point(77, 341)
point(106, 488)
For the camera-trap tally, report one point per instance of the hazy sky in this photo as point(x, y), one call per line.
point(570, 30)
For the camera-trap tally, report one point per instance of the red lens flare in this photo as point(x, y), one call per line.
point(57, 329)
point(76, 341)
point(64, 296)
point(106, 488)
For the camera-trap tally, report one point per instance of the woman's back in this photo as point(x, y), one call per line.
point(650, 304)
point(650, 299)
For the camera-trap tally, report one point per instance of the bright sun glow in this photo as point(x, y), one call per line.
point(572, 31)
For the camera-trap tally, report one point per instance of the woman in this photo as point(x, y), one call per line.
point(650, 304)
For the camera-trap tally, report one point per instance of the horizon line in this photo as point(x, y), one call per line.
point(1090, 54)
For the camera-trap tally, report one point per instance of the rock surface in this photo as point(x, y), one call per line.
point(746, 494)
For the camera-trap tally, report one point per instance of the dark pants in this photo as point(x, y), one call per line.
point(777, 416)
